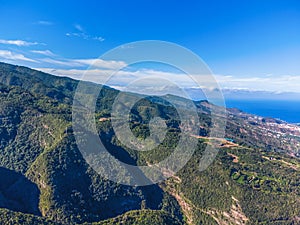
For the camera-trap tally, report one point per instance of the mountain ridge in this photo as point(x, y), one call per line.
point(253, 175)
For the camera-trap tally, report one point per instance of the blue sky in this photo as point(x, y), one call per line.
point(251, 45)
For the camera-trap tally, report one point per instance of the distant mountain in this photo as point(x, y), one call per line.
point(253, 180)
point(246, 94)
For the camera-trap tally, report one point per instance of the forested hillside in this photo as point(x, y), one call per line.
point(45, 179)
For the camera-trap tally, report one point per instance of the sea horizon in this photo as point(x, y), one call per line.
point(286, 110)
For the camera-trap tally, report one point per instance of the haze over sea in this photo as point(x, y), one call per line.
point(287, 110)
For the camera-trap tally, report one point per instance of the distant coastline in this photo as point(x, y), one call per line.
point(287, 110)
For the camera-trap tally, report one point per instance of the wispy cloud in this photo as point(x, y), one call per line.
point(44, 23)
point(98, 38)
point(98, 67)
point(43, 52)
point(99, 63)
point(85, 36)
point(143, 77)
point(142, 81)
point(75, 34)
point(11, 56)
point(285, 83)
point(65, 63)
point(80, 33)
point(79, 27)
point(83, 63)
point(17, 42)
point(154, 79)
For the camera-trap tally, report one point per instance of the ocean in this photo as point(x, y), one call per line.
point(285, 110)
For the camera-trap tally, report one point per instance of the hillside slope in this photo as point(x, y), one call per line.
point(253, 180)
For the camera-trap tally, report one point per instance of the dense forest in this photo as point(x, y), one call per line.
point(46, 180)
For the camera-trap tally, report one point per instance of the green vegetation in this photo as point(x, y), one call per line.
point(265, 192)
point(248, 183)
point(16, 218)
point(142, 217)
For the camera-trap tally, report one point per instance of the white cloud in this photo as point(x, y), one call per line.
point(100, 68)
point(95, 63)
point(79, 27)
point(85, 36)
point(99, 63)
point(73, 73)
point(143, 81)
point(159, 79)
point(43, 52)
point(17, 42)
point(98, 38)
point(44, 23)
point(82, 34)
point(68, 63)
point(143, 78)
point(285, 83)
point(4, 54)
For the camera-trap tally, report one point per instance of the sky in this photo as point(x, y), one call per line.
point(249, 45)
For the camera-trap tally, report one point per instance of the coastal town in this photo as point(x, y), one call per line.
point(285, 136)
